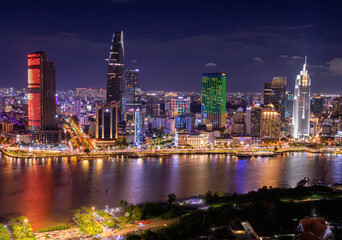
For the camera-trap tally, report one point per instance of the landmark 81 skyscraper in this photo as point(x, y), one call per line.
point(115, 72)
point(301, 104)
point(214, 90)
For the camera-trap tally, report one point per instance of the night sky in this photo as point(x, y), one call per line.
point(173, 42)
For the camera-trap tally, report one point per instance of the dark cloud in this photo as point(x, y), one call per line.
point(335, 66)
point(257, 59)
point(210, 64)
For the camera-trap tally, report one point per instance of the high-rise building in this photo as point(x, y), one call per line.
point(106, 121)
point(275, 94)
point(42, 90)
point(289, 105)
point(41, 99)
point(316, 107)
point(214, 90)
point(255, 122)
point(301, 104)
point(269, 123)
point(152, 106)
point(135, 125)
point(337, 106)
point(179, 106)
point(115, 73)
point(132, 90)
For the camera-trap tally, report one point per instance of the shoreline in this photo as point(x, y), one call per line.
point(248, 153)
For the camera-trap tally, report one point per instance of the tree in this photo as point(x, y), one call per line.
point(171, 198)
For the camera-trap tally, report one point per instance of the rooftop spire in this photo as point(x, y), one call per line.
point(304, 67)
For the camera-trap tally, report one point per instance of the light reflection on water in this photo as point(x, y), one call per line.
point(46, 190)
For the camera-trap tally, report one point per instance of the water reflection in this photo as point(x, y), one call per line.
point(46, 190)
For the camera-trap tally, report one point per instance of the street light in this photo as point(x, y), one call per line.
point(26, 227)
point(93, 221)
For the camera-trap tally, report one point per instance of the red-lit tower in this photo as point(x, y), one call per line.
point(42, 90)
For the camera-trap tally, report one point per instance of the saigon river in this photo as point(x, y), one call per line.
point(46, 190)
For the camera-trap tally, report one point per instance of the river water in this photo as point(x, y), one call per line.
point(46, 190)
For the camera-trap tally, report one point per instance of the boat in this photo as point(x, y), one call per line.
point(243, 156)
point(303, 181)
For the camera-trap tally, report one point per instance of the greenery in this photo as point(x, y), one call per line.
point(21, 229)
point(50, 229)
point(264, 206)
point(171, 198)
point(108, 220)
point(86, 218)
point(151, 210)
point(4, 233)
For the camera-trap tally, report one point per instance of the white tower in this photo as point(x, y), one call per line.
point(301, 104)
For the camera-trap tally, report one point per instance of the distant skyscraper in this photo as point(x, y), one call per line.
point(106, 121)
point(42, 90)
point(115, 73)
point(255, 122)
point(132, 90)
point(301, 104)
point(152, 106)
point(289, 105)
point(214, 90)
point(275, 94)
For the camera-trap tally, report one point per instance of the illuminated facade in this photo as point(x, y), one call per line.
point(115, 73)
point(135, 126)
point(179, 106)
point(214, 87)
point(42, 90)
point(269, 123)
point(106, 121)
point(275, 94)
point(132, 90)
point(301, 104)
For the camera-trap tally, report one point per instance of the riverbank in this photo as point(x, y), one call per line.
point(243, 153)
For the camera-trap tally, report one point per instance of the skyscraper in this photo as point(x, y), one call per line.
point(214, 89)
point(132, 90)
point(301, 104)
point(269, 123)
point(115, 73)
point(41, 98)
point(275, 94)
point(106, 121)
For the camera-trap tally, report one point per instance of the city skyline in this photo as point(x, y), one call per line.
point(175, 55)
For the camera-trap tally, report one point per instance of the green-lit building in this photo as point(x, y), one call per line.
point(214, 88)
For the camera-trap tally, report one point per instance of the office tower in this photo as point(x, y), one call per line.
point(134, 125)
point(316, 107)
point(190, 122)
point(42, 90)
point(238, 126)
point(248, 121)
point(269, 123)
point(115, 73)
point(180, 122)
point(214, 87)
point(275, 94)
point(106, 121)
point(179, 106)
point(336, 106)
point(289, 105)
point(41, 100)
point(152, 106)
point(132, 90)
point(255, 122)
point(301, 104)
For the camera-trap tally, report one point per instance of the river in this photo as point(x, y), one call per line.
point(47, 190)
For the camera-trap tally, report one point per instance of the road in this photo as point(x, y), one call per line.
point(138, 229)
